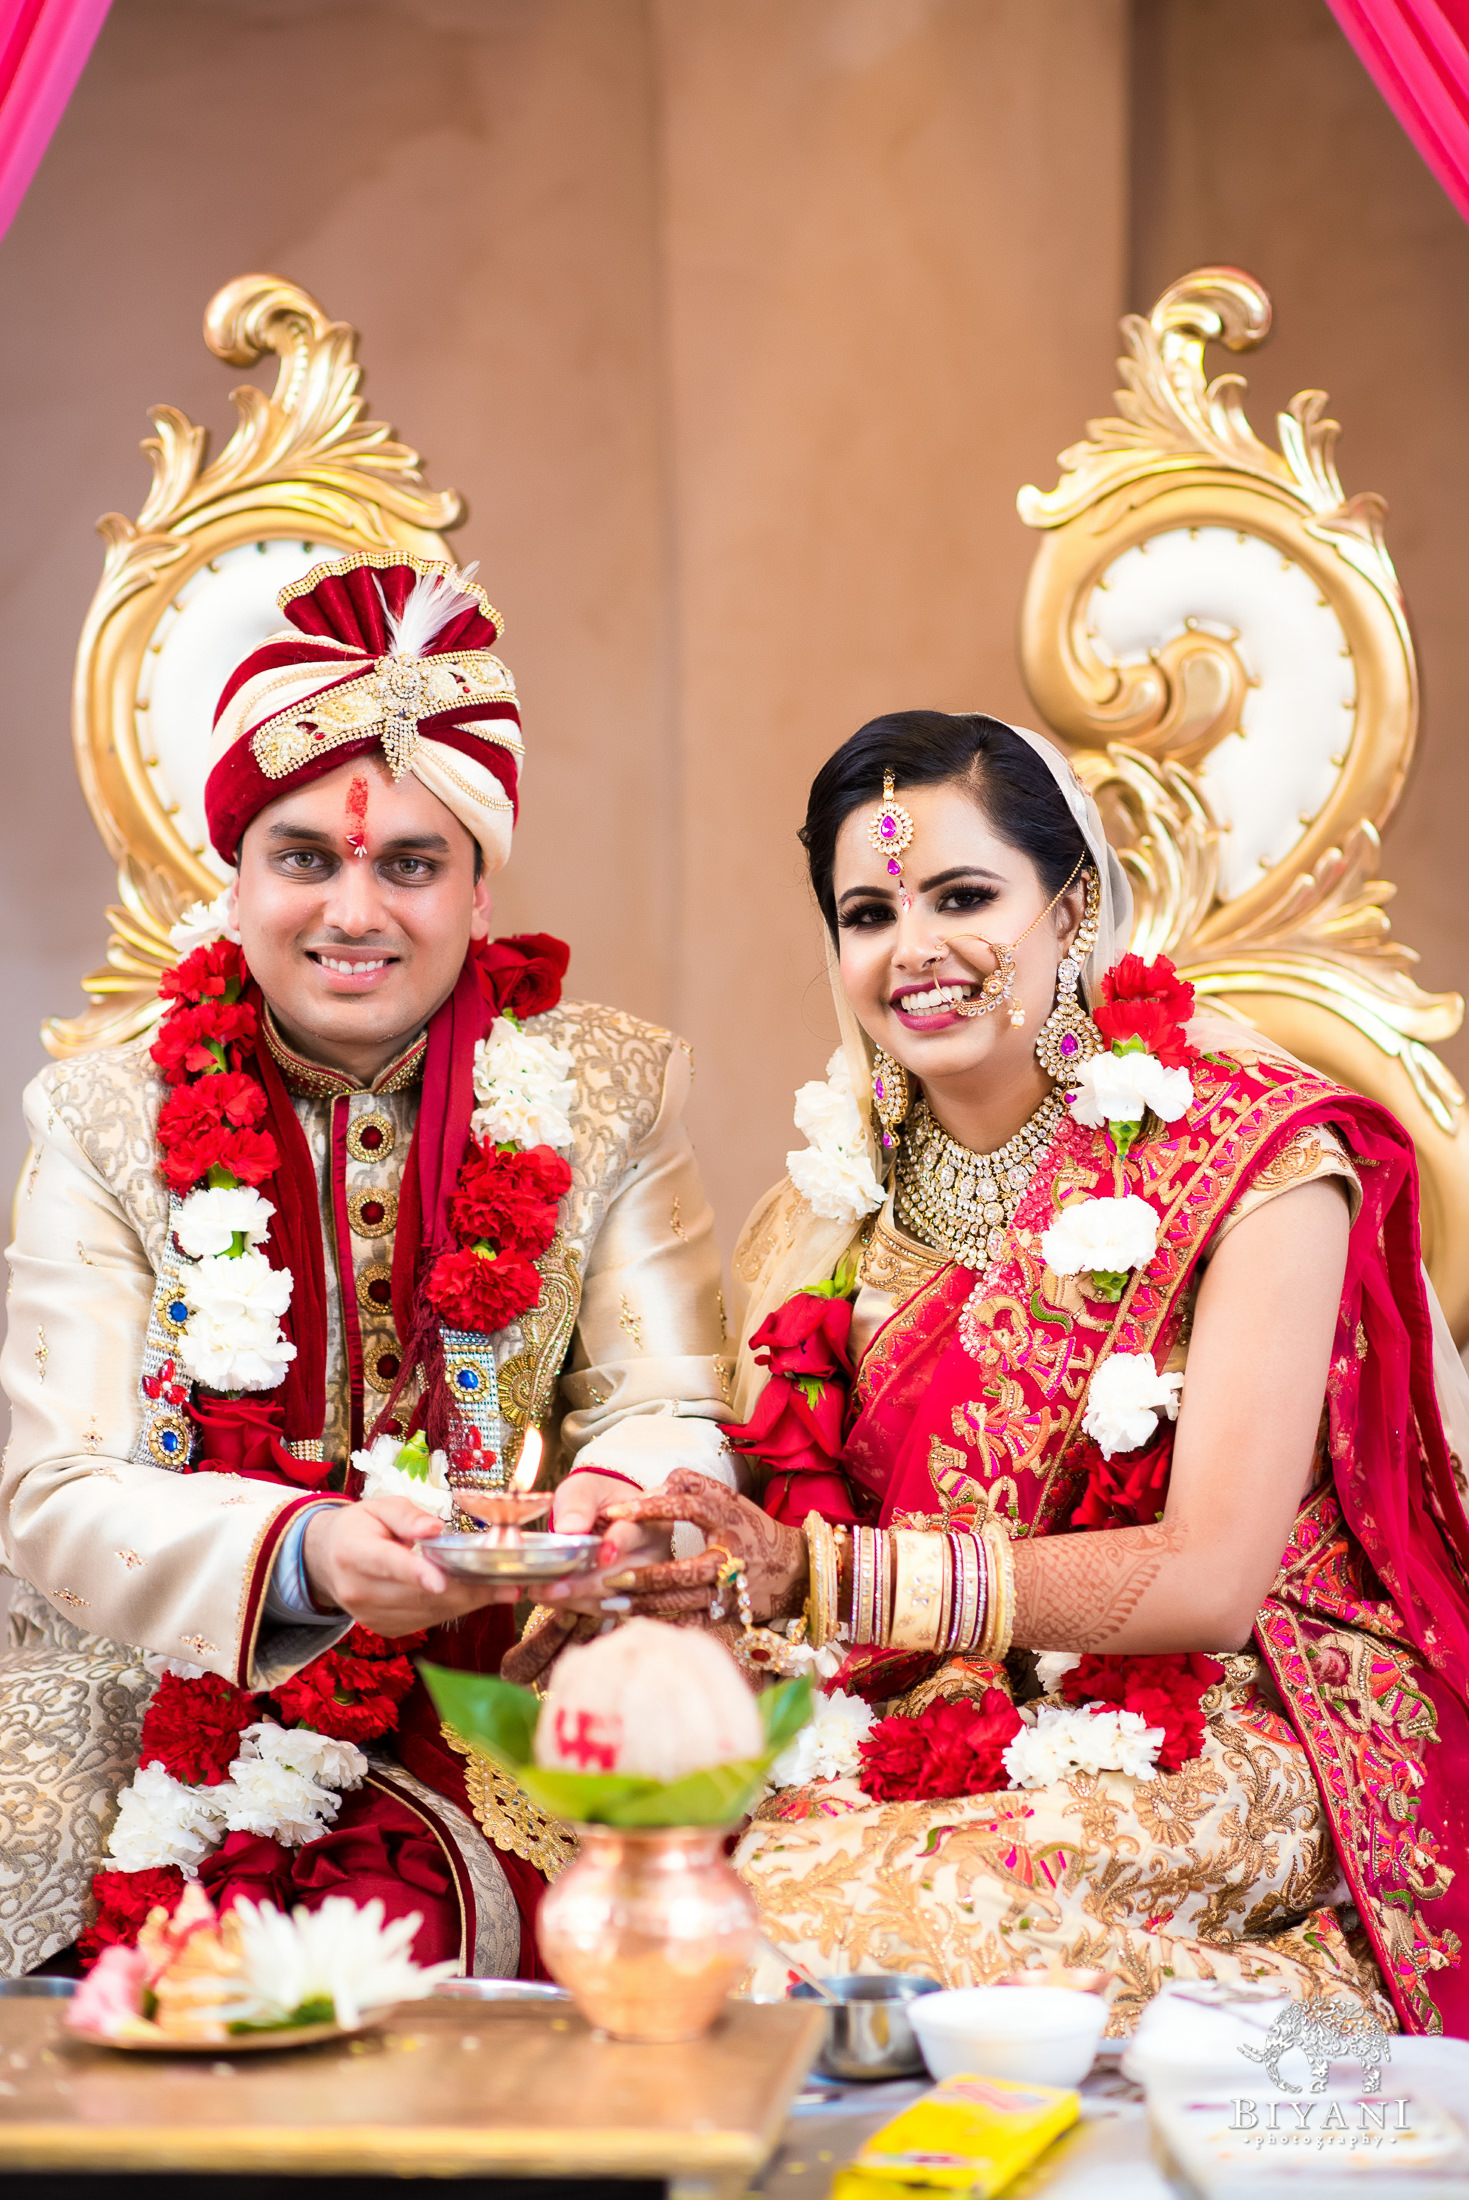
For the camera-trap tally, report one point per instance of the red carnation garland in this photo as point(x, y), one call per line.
point(505, 1213)
point(955, 1747)
point(1145, 1006)
point(1166, 1688)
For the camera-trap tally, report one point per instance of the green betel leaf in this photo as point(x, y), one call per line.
point(784, 1710)
point(490, 1713)
point(590, 1798)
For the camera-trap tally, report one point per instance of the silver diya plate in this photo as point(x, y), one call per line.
point(502, 1550)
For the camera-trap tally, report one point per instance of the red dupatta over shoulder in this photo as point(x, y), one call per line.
point(1366, 1628)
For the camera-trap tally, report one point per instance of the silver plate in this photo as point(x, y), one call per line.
point(538, 1558)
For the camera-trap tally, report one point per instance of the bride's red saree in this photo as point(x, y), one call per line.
point(1366, 1628)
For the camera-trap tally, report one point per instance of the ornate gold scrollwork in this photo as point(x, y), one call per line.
point(1258, 874)
point(305, 472)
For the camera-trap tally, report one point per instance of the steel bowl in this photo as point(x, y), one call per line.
point(534, 1558)
point(870, 2035)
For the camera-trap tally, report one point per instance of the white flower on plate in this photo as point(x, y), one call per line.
point(525, 1087)
point(1052, 1665)
point(201, 924)
point(1123, 1400)
point(1120, 1088)
point(1102, 1236)
point(323, 1757)
point(1062, 1738)
point(209, 1220)
point(160, 1821)
point(383, 1477)
point(826, 1747)
point(337, 1953)
point(232, 1338)
point(833, 1172)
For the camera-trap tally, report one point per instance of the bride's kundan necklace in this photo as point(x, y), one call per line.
point(961, 1201)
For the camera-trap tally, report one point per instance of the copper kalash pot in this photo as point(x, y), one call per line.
point(649, 1929)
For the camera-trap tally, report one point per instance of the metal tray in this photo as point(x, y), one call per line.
point(538, 1558)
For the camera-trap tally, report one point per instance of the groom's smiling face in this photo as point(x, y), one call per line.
point(357, 898)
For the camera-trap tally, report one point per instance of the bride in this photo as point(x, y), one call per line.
point(1089, 1373)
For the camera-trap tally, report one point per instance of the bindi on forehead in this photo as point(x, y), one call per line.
point(356, 807)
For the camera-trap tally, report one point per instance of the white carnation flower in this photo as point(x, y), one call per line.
point(826, 1747)
point(160, 1821)
point(1123, 1400)
point(337, 1953)
point(1102, 1236)
point(1051, 1666)
point(209, 1220)
point(383, 1477)
point(1120, 1088)
point(232, 1338)
point(526, 1089)
point(833, 1172)
point(261, 1796)
point(337, 1764)
point(1064, 1738)
point(201, 924)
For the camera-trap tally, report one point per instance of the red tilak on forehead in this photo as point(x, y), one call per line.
point(357, 817)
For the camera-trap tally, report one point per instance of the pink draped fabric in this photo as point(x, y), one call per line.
point(1417, 54)
point(44, 45)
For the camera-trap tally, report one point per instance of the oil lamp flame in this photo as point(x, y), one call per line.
point(528, 1465)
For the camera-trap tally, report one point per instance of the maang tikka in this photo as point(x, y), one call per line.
point(1068, 1037)
point(890, 829)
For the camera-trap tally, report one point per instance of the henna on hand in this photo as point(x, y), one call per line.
point(526, 1661)
point(773, 1556)
point(1077, 1592)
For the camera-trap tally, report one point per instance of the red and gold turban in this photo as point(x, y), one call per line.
point(384, 651)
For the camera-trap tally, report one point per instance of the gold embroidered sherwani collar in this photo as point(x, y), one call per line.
point(314, 1081)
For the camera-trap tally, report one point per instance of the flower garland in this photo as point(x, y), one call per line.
point(225, 1774)
point(214, 1155)
point(511, 1181)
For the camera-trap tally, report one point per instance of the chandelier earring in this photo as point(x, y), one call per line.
point(1068, 1037)
point(891, 1096)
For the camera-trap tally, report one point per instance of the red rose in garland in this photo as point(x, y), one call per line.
point(1147, 1002)
point(521, 975)
point(1130, 1489)
point(797, 1427)
point(1166, 1689)
point(955, 1747)
point(483, 1290)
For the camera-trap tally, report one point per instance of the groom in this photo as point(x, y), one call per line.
point(374, 1203)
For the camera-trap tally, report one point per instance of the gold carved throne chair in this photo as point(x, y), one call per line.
point(1217, 632)
point(190, 586)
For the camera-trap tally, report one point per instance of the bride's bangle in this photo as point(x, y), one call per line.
point(822, 1614)
point(920, 1577)
point(1000, 1619)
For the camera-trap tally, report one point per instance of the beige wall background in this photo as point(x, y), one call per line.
point(739, 323)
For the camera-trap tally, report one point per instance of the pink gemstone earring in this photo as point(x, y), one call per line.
point(891, 829)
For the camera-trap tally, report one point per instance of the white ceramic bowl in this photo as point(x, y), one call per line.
point(1046, 2036)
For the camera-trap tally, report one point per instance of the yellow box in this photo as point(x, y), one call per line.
point(969, 2135)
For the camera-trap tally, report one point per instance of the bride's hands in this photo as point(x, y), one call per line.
point(772, 1555)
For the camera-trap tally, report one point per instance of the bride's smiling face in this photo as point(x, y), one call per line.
point(910, 948)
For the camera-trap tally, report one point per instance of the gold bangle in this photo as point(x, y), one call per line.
point(918, 1588)
point(821, 1603)
point(1000, 1619)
